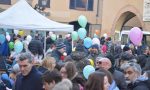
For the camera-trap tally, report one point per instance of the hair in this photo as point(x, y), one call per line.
point(16, 69)
point(95, 81)
point(71, 69)
point(25, 56)
point(126, 56)
point(50, 76)
point(48, 62)
point(65, 84)
point(144, 48)
point(134, 66)
point(147, 65)
point(108, 74)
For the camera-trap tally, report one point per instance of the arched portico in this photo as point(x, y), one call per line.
point(124, 15)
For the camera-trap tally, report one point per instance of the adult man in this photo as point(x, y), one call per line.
point(135, 80)
point(142, 59)
point(105, 63)
point(29, 78)
point(59, 51)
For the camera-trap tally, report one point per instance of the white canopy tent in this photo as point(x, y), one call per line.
point(23, 16)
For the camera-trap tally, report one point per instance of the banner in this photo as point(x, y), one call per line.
point(146, 10)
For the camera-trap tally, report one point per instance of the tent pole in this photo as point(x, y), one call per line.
point(44, 43)
point(72, 45)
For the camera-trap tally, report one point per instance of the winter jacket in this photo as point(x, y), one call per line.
point(32, 81)
point(2, 63)
point(4, 49)
point(56, 54)
point(139, 84)
point(113, 86)
point(119, 79)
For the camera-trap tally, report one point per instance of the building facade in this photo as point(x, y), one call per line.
point(108, 16)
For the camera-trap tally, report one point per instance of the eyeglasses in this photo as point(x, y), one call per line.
point(99, 62)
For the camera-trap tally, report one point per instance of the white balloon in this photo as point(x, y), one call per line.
point(8, 37)
point(105, 35)
point(95, 41)
point(50, 33)
point(16, 32)
point(29, 38)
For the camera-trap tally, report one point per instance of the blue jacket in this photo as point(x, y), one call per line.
point(113, 86)
point(32, 81)
point(4, 49)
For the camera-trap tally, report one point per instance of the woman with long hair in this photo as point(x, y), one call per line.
point(97, 81)
point(70, 72)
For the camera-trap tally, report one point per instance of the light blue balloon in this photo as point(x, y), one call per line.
point(95, 36)
point(53, 37)
point(82, 20)
point(7, 33)
point(4, 76)
point(88, 70)
point(2, 38)
point(18, 47)
point(87, 42)
point(82, 33)
point(74, 35)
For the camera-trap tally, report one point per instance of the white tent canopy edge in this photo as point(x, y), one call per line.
point(22, 16)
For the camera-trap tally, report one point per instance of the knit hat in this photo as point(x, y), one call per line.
point(126, 48)
point(95, 46)
point(60, 45)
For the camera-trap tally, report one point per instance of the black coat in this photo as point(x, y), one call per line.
point(142, 85)
point(142, 59)
point(32, 81)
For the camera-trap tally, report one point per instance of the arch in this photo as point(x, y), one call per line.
point(124, 15)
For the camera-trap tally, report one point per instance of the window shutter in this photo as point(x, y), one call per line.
point(72, 4)
point(7, 2)
point(90, 5)
point(47, 4)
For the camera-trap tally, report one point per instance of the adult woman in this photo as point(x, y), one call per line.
point(48, 63)
point(97, 81)
point(69, 71)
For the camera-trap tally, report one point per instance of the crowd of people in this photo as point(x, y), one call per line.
point(61, 67)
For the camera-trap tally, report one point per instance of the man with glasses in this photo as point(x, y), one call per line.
point(135, 80)
point(105, 63)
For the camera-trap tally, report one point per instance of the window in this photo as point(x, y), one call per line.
point(82, 4)
point(7, 2)
point(44, 3)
